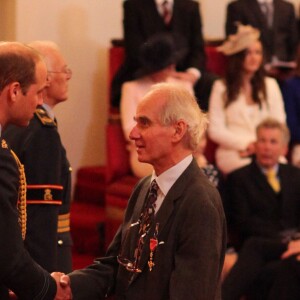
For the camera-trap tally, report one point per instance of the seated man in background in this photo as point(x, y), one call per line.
point(48, 172)
point(263, 208)
point(158, 58)
point(181, 19)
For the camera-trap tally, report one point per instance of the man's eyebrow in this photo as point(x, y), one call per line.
point(141, 119)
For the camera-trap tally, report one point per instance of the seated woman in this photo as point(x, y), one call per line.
point(291, 95)
point(241, 100)
point(158, 57)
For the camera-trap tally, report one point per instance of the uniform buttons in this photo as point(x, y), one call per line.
point(60, 242)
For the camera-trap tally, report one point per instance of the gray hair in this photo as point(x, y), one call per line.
point(181, 105)
point(275, 124)
point(47, 49)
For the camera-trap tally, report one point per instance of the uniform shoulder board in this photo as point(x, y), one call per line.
point(44, 118)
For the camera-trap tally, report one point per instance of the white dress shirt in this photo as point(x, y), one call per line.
point(166, 180)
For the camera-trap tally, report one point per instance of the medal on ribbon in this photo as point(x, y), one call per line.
point(153, 245)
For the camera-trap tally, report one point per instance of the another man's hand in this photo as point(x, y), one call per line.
point(64, 291)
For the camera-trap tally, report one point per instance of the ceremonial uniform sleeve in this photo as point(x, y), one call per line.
point(18, 271)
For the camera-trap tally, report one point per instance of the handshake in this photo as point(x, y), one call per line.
point(63, 291)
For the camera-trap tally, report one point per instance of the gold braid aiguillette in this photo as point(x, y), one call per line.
point(22, 196)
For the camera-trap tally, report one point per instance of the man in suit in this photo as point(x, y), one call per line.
point(145, 18)
point(265, 211)
point(22, 81)
point(170, 246)
point(276, 21)
point(48, 171)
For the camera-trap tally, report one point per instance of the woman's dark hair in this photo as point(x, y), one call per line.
point(234, 80)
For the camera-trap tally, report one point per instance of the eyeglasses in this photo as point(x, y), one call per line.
point(132, 265)
point(66, 70)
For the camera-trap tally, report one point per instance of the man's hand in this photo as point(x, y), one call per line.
point(293, 248)
point(250, 150)
point(186, 76)
point(64, 291)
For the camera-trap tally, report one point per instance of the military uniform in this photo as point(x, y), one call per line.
point(18, 271)
point(48, 175)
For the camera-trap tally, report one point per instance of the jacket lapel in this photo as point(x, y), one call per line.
point(276, 15)
point(166, 210)
point(150, 9)
point(256, 14)
point(263, 185)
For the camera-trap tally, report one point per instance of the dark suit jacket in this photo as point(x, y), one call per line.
point(189, 259)
point(47, 168)
point(255, 209)
point(142, 20)
point(281, 40)
point(18, 271)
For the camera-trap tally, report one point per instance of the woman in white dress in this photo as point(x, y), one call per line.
point(241, 100)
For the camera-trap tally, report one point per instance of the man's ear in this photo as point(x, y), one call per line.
point(180, 128)
point(14, 90)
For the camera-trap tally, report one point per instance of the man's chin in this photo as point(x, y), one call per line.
point(141, 159)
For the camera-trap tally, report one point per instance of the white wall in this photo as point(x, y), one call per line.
point(83, 29)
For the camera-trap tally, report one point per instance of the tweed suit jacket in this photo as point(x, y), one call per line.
point(256, 210)
point(188, 259)
point(281, 40)
point(18, 271)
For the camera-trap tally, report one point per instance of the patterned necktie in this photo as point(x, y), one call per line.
point(273, 180)
point(149, 208)
point(166, 12)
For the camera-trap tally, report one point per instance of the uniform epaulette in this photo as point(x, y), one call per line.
point(44, 118)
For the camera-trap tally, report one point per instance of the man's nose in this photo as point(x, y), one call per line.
point(134, 133)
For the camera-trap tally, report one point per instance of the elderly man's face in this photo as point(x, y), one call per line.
point(269, 147)
point(59, 77)
point(153, 141)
